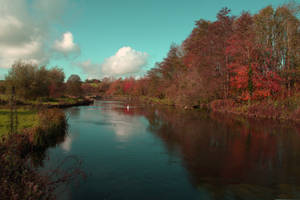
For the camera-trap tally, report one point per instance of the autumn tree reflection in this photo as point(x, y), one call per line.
point(229, 154)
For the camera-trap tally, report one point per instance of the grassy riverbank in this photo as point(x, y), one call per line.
point(49, 102)
point(27, 110)
point(18, 178)
point(285, 109)
point(26, 119)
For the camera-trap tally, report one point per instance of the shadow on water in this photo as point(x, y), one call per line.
point(41, 143)
point(230, 158)
point(65, 171)
point(23, 154)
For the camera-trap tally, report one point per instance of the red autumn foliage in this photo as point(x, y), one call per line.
point(243, 58)
point(250, 65)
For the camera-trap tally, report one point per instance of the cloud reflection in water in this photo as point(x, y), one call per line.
point(67, 144)
point(124, 126)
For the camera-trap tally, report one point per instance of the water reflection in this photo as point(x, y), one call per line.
point(42, 142)
point(124, 126)
point(229, 158)
point(67, 143)
point(152, 152)
point(74, 112)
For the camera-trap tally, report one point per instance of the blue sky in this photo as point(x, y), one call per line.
point(124, 37)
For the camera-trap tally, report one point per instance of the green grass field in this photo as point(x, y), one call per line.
point(43, 100)
point(26, 119)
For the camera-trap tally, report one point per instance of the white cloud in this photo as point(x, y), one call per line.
point(66, 45)
point(7, 23)
point(30, 51)
point(91, 70)
point(26, 28)
point(20, 35)
point(125, 62)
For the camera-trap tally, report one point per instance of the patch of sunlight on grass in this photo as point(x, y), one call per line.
point(26, 119)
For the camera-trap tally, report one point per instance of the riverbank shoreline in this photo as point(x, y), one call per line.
point(21, 152)
point(145, 131)
point(84, 102)
point(285, 111)
point(27, 114)
point(50, 103)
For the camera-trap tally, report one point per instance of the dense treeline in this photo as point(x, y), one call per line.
point(244, 58)
point(33, 82)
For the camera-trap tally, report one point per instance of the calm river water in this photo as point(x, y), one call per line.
point(162, 153)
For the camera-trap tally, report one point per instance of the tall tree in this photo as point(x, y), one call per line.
point(287, 44)
point(29, 80)
point(74, 85)
point(205, 50)
point(56, 78)
point(251, 65)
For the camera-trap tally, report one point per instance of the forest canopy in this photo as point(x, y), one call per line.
point(246, 58)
